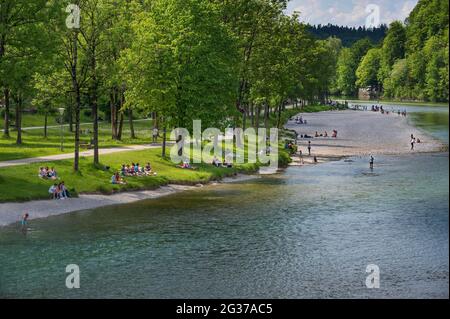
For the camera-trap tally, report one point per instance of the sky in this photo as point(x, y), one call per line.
point(351, 12)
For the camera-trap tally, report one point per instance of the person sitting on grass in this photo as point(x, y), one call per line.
point(136, 169)
point(52, 174)
point(42, 173)
point(63, 191)
point(53, 191)
point(123, 170)
point(130, 170)
point(147, 170)
point(117, 180)
point(216, 162)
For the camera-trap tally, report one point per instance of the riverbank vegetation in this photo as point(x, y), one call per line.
point(21, 183)
point(226, 63)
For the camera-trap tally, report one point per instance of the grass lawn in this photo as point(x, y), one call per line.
point(21, 183)
point(34, 144)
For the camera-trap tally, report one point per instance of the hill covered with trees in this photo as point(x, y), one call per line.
point(348, 35)
point(412, 62)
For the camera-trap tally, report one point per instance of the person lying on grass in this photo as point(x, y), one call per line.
point(186, 165)
point(217, 163)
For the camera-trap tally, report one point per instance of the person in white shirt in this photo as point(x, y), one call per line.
point(155, 135)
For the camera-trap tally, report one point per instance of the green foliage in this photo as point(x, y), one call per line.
point(367, 70)
point(414, 58)
point(348, 35)
point(347, 64)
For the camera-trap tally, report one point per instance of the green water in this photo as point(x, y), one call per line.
point(307, 233)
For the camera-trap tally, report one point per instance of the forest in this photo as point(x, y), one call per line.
point(411, 63)
point(348, 35)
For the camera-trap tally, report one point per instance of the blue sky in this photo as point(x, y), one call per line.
point(349, 12)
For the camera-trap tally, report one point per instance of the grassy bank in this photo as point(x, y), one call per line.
point(21, 183)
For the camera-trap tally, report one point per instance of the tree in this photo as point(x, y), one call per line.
point(367, 70)
point(181, 63)
point(19, 41)
point(392, 50)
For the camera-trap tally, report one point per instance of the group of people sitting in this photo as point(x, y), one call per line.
point(334, 134)
point(59, 191)
point(133, 170)
point(291, 147)
point(137, 170)
point(218, 163)
point(47, 173)
point(414, 141)
point(300, 120)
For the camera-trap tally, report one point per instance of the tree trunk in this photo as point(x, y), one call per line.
point(19, 119)
point(252, 114)
point(76, 89)
point(280, 109)
point(45, 124)
point(266, 115)
point(119, 133)
point(95, 124)
point(244, 120)
point(7, 100)
point(70, 111)
point(258, 113)
point(95, 110)
point(164, 141)
point(130, 118)
point(113, 108)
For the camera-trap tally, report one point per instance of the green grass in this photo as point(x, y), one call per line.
point(38, 120)
point(34, 144)
point(21, 183)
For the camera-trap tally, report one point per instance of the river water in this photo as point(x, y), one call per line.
point(306, 233)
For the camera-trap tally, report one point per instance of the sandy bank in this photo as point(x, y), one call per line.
point(361, 134)
point(11, 213)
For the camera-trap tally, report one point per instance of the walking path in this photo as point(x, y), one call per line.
point(58, 157)
point(31, 128)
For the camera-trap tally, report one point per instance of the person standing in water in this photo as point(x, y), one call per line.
point(24, 222)
point(413, 141)
point(309, 148)
point(372, 161)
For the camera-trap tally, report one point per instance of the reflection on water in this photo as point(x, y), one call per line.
point(307, 233)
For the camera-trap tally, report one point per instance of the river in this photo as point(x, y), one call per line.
point(306, 233)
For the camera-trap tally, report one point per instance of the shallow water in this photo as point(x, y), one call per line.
point(307, 233)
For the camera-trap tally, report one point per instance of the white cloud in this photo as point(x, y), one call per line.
point(349, 12)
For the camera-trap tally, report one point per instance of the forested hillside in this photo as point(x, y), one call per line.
point(348, 35)
point(412, 62)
